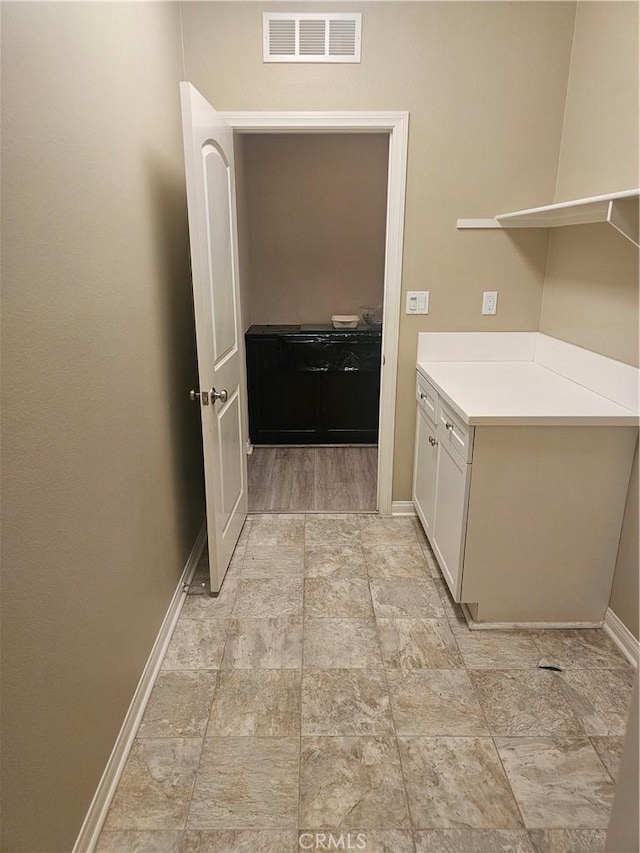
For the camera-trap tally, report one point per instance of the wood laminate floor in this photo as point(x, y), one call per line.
point(313, 479)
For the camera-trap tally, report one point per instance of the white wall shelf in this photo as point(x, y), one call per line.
point(618, 209)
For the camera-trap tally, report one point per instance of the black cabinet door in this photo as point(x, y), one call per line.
point(284, 403)
point(350, 405)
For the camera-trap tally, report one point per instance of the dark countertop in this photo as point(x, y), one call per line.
point(311, 330)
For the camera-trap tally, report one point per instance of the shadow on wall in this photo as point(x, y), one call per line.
point(168, 215)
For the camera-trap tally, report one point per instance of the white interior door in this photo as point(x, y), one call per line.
point(208, 152)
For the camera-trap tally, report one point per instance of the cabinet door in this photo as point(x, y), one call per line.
point(451, 501)
point(350, 406)
point(284, 401)
point(424, 472)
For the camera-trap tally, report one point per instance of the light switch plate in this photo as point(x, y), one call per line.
point(417, 302)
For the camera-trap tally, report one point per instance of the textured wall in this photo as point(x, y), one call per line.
point(316, 207)
point(101, 472)
point(590, 295)
point(591, 283)
point(485, 87)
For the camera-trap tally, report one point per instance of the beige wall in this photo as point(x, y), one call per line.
point(242, 216)
point(625, 594)
point(485, 87)
point(591, 282)
point(590, 295)
point(599, 151)
point(316, 206)
point(102, 494)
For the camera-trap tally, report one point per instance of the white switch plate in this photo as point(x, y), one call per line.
point(417, 302)
point(490, 302)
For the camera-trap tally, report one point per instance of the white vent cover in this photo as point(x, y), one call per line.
point(311, 37)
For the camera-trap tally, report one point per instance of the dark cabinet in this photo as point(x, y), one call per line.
point(313, 386)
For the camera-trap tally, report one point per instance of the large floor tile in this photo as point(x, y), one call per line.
point(179, 705)
point(271, 561)
point(338, 561)
point(376, 530)
point(473, 841)
point(341, 644)
point(435, 702)
point(486, 649)
point(246, 783)
point(355, 781)
point(345, 702)
point(558, 782)
point(133, 841)
point(609, 751)
point(264, 644)
point(568, 840)
point(340, 598)
point(239, 841)
point(208, 606)
point(580, 649)
point(155, 787)
point(600, 698)
point(406, 598)
point(196, 644)
point(332, 530)
point(363, 840)
point(256, 702)
point(264, 598)
point(401, 561)
point(418, 644)
point(525, 702)
point(276, 529)
point(453, 781)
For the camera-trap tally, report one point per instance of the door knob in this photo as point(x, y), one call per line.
point(218, 395)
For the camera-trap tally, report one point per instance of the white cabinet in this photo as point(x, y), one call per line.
point(524, 519)
point(424, 474)
point(441, 480)
point(451, 502)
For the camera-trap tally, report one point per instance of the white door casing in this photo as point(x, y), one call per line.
point(211, 203)
point(396, 124)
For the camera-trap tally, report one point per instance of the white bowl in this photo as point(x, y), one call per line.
point(345, 321)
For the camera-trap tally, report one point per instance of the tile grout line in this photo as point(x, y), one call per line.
point(393, 721)
point(215, 691)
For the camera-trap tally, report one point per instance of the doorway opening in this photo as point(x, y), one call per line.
point(311, 212)
point(320, 200)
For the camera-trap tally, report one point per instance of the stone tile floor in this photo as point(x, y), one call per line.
point(332, 694)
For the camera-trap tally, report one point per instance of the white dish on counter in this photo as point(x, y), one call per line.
point(345, 321)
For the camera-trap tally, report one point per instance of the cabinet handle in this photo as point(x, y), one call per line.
point(432, 441)
point(448, 425)
point(423, 396)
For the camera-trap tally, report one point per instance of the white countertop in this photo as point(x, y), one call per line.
point(520, 393)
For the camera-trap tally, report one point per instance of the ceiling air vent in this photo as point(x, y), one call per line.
point(312, 37)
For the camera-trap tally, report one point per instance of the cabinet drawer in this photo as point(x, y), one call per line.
point(454, 433)
point(427, 398)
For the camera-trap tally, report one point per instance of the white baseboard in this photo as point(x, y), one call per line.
point(402, 508)
point(622, 637)
point(522, 626)
point(97, 813)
